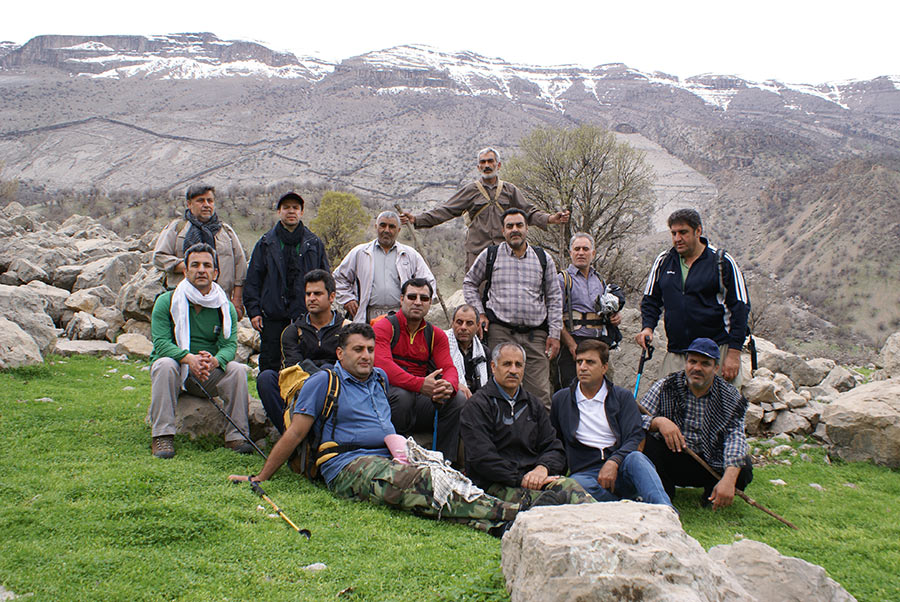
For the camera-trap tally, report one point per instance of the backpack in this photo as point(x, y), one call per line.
point(489, 271)
point(312, 452)
point(614, 335)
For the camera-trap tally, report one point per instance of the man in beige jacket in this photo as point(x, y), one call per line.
point(201, 224)
point(484, 201)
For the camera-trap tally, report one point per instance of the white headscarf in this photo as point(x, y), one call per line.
point(184, 295)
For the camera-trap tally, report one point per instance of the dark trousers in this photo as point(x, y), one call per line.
point(414, 413)
point(270, 396)
point(682, 470)
point(270, 344)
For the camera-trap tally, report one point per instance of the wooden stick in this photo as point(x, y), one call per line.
point(416, 246)
point(718, 477)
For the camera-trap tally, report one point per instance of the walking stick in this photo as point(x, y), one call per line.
point(227, 417)
point(261, 493)
point(416, 246)
point(718, 477)
point(646, 355)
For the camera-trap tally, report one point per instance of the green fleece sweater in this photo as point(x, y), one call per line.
point(206, 335)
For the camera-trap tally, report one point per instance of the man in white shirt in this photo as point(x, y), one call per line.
point(600, 427)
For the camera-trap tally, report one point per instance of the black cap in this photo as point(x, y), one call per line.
point(290, 196)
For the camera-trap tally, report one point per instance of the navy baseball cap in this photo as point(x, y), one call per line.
point(290, 196)
point(705, 347)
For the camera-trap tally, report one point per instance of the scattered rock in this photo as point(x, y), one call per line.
point(790, 423)
point(20, 304)
point(27, 271)
point(138, 327)
point(753, 419)
point(247, 335)
point(134, 344)
point(314, 567)
point(864, 424)
point(778, 482)
point(759, 390)
point(817, 487)
point(889, 358)
point(54, 298)
point(137, 295)
point(114, 320)
point(82, 301)
point(777, 451)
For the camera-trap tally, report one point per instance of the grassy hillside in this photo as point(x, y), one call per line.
point(87, 513)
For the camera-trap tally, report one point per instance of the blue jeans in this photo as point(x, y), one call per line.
point(636, 480)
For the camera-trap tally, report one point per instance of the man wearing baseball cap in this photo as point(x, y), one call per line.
point(696, 408)
point(274, 292)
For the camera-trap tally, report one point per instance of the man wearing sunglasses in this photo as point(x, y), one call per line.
point(423, 380)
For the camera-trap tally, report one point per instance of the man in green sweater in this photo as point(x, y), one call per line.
point(194, 331)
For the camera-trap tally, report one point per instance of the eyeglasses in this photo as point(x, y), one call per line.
point(422, 298)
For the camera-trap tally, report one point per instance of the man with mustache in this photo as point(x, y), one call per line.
point(521, 301)
point(698, 409)
point(484, 201)
point(201, 224)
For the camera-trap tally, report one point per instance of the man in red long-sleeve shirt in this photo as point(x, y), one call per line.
point(416, 358)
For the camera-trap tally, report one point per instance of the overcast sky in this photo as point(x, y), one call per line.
point(795, 41)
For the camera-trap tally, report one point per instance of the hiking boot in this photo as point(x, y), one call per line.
point(241, 447)
point(163, 446)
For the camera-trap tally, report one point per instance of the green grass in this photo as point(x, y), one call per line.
point(87, 513)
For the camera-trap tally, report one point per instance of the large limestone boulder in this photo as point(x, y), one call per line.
point(772, 577)
point(17, 348)
point(610, 552)
point(23, 306)
point(81, 226)
point(85, 327)
point(138, 326)
point(26, 271)
point(864, 424)
point(54, 298)
point(759, 390)
point(197, 417)
point(136, 297)
point(113, 318)
point(113, 271)
point(48, 252)
point(65, 276)
point(82, 301)
point(889, 358)
point(840, 378)
point(247, 335)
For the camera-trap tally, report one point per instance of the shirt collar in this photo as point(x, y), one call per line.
point(333, 318)
point(503, 392)
point(600, 397)
point(347, 376)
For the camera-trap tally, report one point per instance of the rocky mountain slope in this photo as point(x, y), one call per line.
point(137, 113)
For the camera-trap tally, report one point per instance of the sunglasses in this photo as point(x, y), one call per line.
point(422, 298)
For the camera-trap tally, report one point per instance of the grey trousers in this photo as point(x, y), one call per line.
point(537, 365)
point(165, 386)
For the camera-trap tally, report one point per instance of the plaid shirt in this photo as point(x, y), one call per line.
point(517, 294)
point(712, 425)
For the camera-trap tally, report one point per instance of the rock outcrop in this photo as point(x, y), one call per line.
point(864, 424)
point(632, 551)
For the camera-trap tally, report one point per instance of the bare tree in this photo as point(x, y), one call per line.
point(604, 183)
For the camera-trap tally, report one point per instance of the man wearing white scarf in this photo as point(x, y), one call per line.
point(468, 353)
point(194, 331)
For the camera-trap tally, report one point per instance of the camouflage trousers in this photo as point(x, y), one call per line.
point(380, 481)
point(573, 492)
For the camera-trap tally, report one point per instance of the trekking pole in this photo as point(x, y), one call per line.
point(434, 437)
point(227, 417)
point(416, 246)
point(261, 493)
point(646, 355)
point(718, 477)
point(751, 345)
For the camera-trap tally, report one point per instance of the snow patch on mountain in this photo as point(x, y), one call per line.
point(90, 46)
point(205, 68)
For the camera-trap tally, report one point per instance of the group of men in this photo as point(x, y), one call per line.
point(482, 389)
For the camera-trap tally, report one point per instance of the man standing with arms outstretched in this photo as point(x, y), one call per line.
point(703, 294)
point(484, 201)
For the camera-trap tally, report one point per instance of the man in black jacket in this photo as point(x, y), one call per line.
point(703, 294)
point(511, 448)
point(310, 341)
point(274, 289)
point(600, 427)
